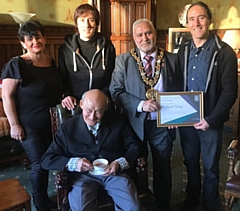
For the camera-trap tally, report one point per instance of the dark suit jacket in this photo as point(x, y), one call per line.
point(128, 89)
point(73, 139)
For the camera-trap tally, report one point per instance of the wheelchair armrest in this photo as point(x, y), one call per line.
point(64, 113)
point(59, 114)
point(141, 165)
point(61, 187)
point(142, 174)
point(232, 156)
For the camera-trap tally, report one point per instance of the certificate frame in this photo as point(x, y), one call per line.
point(179, 108)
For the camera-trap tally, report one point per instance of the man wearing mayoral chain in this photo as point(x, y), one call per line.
point(137, 78)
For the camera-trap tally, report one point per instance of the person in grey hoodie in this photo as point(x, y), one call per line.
point(86, 58)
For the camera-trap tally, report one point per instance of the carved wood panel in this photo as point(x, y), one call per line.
point(122, 14)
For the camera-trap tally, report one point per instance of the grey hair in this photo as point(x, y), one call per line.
point(84, 94)
point(143, 20)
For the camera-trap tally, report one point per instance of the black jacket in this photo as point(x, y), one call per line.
point(78, 76)
point(221, 87)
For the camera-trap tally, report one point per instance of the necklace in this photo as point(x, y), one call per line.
point(151, 93)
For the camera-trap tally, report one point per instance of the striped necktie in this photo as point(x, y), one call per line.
point(148, 66)
point(94, 131)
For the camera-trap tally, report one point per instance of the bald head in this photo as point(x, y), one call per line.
point(94, 103)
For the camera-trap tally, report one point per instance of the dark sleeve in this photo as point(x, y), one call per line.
point(131, 145)
point(131, 142)
point(55, 158)
point(174, 78)
point(229, 88)
point(121, 82)
point(110, 58)
point(11, 69)
point(63, 70)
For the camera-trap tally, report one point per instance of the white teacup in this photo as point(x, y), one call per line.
point(99, 165)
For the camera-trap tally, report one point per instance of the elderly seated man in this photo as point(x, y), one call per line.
point(75, 148)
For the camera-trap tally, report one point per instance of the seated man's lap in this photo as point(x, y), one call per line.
point(123, 191)
point(83, 195)
point(120, 187)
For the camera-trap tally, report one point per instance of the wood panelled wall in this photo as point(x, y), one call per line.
point(10, 45)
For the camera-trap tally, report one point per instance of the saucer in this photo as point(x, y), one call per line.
point(96, 172)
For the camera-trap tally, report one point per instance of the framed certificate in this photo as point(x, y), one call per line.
point(179, 108)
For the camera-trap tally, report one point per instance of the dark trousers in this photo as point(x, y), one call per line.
point(161, 144)
point(35, 144)
point(207, 144)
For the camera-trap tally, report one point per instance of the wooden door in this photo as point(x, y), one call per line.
point(118, 17)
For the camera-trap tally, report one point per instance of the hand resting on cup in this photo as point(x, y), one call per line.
point(101, 165)
point(111, 169)
point(84, 165)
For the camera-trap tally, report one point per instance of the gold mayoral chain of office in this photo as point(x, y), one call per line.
point(151, 93)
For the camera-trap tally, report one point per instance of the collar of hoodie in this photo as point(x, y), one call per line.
point(90, 67)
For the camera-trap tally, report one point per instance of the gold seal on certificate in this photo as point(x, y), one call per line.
point(151, 94)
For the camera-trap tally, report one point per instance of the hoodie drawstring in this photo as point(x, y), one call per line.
point(103, 60)
point(74, 62)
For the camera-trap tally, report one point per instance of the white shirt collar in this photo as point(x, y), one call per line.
point(94, 127)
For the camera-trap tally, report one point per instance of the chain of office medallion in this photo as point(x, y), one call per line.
point(159, 62)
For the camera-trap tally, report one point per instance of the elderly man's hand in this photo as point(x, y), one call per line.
point(112, 168)
point(84, 165)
